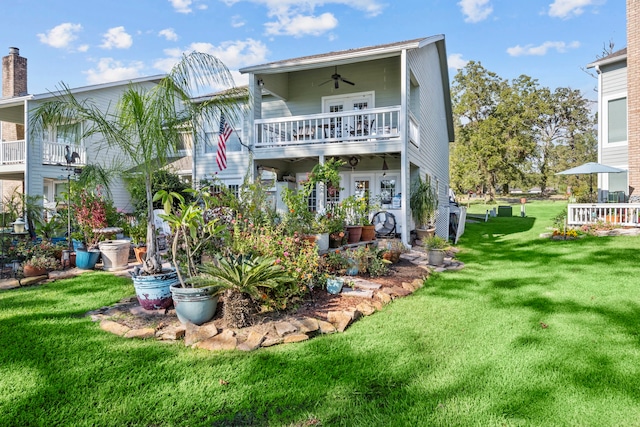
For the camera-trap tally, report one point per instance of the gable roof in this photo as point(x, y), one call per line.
point(341, 56)
point(617, 56)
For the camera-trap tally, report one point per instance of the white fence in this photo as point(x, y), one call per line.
point(623, 214)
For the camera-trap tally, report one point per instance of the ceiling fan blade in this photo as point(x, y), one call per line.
point(347, 82)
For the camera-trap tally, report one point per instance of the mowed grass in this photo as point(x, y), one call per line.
point(530, 332)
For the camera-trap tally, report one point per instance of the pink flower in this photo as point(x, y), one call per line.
point(278, 261)
point(286, 253)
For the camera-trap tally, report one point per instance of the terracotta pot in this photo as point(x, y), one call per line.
point(355, 232)
point(309, 238)
point(368, 233)
point(393, 256)
point(30, 271)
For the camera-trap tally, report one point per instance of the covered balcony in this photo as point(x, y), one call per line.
point(372, 124)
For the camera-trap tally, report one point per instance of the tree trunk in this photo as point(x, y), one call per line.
point(238, 309)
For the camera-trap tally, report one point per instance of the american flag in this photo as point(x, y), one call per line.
point(223, 135)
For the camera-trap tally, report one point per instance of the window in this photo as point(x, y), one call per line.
point(63, 134)
point(615, 120)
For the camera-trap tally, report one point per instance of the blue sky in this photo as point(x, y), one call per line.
point(81, 42)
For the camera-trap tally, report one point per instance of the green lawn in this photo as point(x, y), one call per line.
point(530, 332)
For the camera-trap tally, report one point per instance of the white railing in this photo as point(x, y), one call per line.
point(53, 153)
point(12, 152)
point(623, 214)
point(358, 125)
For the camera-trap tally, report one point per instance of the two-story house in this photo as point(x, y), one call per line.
point(39, 163)
point(385, 110)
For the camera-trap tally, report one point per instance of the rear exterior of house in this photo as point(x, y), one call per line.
point(35, 163)
point(613, 143)
point(385, 110)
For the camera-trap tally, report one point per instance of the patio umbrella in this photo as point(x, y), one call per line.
point(590, 168)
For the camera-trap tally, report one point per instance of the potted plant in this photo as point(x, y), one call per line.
point(393, 249)
point(356, 211)
point(138, 234)
point(423, 203)
point(193, 230)
point(147, 126)
point(39, 265)
point(90, 215)
point(436, 247)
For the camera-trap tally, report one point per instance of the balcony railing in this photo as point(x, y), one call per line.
point(623, 214)
point(12, 152)
point(358, 125)
point(53, 153)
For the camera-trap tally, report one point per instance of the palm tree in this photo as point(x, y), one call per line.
point(147, 124)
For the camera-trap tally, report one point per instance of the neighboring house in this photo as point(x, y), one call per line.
point(613, 143)
point(385, 110)
point(35, 162)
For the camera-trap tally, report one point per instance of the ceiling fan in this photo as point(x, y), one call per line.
point(337, 78)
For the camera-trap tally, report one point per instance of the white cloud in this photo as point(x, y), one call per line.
point(568, 8)
point(234, 54)
point(169, 34)
point(237, 21)
point(61, 35)
point(83, 48)
point(542, 49)
point(117, 38)
point(186, 6)
point(300, 25)
point(298, 17)
point(181, 6)
point(475, 10)
point(456, 62)
point(109, 70)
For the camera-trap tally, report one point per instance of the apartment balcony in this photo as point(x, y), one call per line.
point(53, 153)
point(370, 125)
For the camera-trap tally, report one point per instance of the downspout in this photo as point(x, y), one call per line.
point(600, 142)
point(27, 144)
point(404, 155)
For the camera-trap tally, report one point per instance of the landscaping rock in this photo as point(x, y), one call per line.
point(326, 327)
point(268, 342)
point(171, 333)
point(366, 308)
point(195, 333)
point(295, 338)
point(384, 297)
point(114, 327)
point(360, 293)
point(342, 319)
point(305, 325)
point(224, 341)
point(143, 333)
point(284, 328)
point(253, 341)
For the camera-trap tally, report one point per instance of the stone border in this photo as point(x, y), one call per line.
point(372, 297)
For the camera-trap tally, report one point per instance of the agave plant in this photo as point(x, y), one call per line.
point(241, 278)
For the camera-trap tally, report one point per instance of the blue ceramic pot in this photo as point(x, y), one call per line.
point(334, 285)
point(86, 260)
point(194, 305)
point(154, 291)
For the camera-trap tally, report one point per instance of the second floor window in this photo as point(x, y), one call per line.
point(64, 134)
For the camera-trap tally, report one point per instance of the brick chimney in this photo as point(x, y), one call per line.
point(14, 83)
point(633, 97)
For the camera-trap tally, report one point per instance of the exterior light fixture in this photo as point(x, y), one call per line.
point(18, 226)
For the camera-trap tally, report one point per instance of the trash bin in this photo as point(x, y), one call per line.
point(504, 211)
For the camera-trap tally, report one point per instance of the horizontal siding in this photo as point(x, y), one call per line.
point(97, 151)
point(615, 156)
point(614, 79)
point(432, 156)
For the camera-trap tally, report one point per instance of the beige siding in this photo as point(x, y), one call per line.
point(432, 156)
